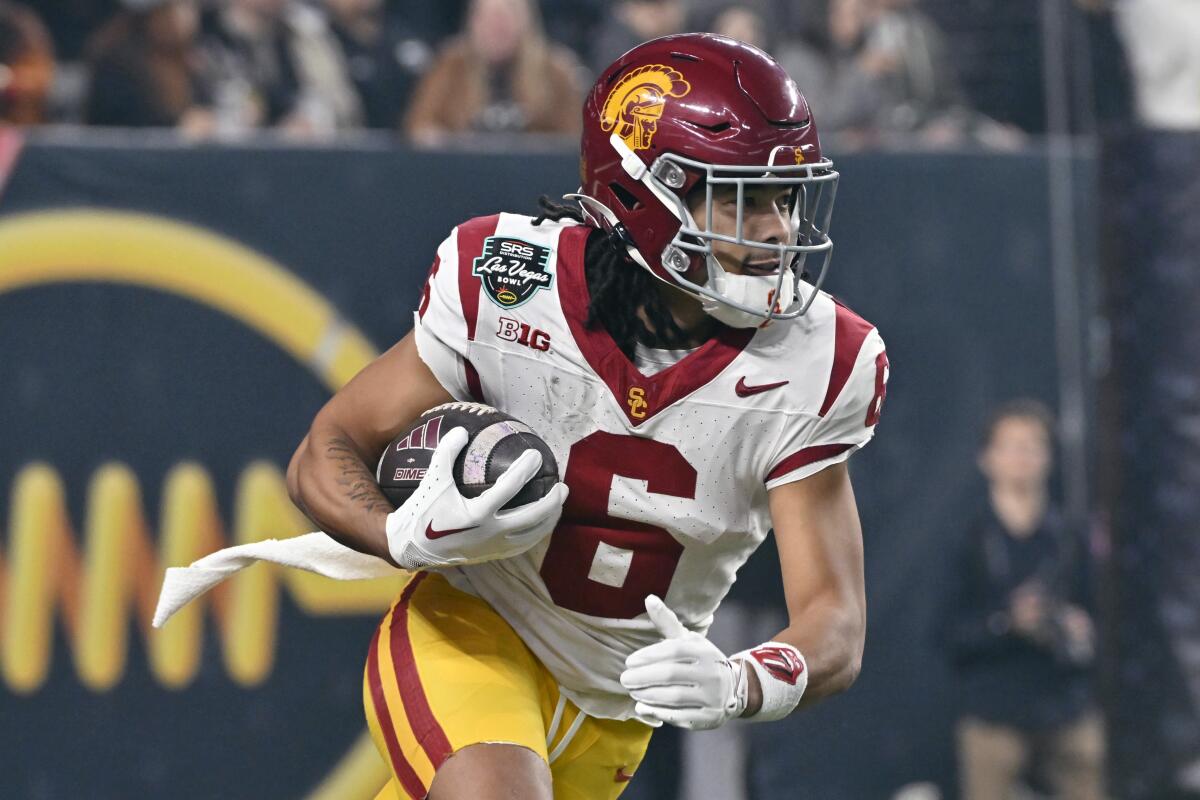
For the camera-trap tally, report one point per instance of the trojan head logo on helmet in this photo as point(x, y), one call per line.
point(677, 117)
point(635, 104)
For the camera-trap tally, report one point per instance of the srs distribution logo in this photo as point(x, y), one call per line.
point(93, 574)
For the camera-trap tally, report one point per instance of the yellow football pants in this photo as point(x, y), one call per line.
point(446, 671)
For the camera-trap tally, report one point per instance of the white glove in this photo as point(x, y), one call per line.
point(685, 679)
point(438, 527)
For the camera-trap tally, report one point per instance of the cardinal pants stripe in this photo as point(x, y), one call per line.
point(377, 704)
point(416, 705)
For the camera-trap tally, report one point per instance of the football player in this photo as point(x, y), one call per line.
point(665, 332)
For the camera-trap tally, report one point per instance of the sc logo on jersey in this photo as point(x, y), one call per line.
point(520, 332)
point(511, 270)
point(636, 400)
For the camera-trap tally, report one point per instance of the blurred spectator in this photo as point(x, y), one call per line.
point(500, 75)
point(144, 69)
point(742, 23)
point(276, 63)
point(1099, 69)
point(783, 19)
point(1162, 41)
point(883, 69)
point(573, 23)
point(632, 22)
point(1016, 626)
point(384, 58)
point(983, 34)
point(432, 21)
point(26, 66)
point(73, 22)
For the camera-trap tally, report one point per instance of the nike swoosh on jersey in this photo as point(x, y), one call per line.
point(430, 533)
point(745, 390)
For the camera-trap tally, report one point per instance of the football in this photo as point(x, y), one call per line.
point(495, 441)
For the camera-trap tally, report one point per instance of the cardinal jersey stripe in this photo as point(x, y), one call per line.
point(654, 392)
point(851, 331)
point(474, 385)
point(809, 455)
point(470, 242)
point(424, 306)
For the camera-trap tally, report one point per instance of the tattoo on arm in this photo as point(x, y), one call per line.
point(357, 481)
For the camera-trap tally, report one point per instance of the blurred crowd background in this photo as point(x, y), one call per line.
point(1019, 213)
point(938, 72)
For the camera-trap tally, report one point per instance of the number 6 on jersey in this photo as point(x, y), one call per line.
point(604, 566)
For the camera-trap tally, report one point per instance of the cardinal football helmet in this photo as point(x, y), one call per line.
point(692, 112)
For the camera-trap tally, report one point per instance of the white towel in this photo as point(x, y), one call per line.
point(315, 552)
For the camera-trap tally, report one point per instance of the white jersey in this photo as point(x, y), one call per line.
point(668, 473)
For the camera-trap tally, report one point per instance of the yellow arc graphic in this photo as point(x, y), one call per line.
point(112, 247)
point(118, 567)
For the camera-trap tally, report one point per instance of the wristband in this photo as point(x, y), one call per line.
point(782, 677)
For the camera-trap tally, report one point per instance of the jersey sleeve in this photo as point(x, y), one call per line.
point(811, 445)
point(439, 324)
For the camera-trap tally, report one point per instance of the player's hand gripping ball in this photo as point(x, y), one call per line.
point(494, 441)
point(470, 484)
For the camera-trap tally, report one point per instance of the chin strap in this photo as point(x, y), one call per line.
point(601, 216)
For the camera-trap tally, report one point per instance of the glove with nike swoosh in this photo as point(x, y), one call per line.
point(687, 681)
point(684, 679)
point(438, 527)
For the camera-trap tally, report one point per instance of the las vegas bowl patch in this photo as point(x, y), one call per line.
point(511, 270)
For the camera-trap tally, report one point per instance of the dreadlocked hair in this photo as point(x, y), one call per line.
point(618, 288)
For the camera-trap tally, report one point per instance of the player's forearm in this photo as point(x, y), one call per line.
point(831, 635)
point(330, 481)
